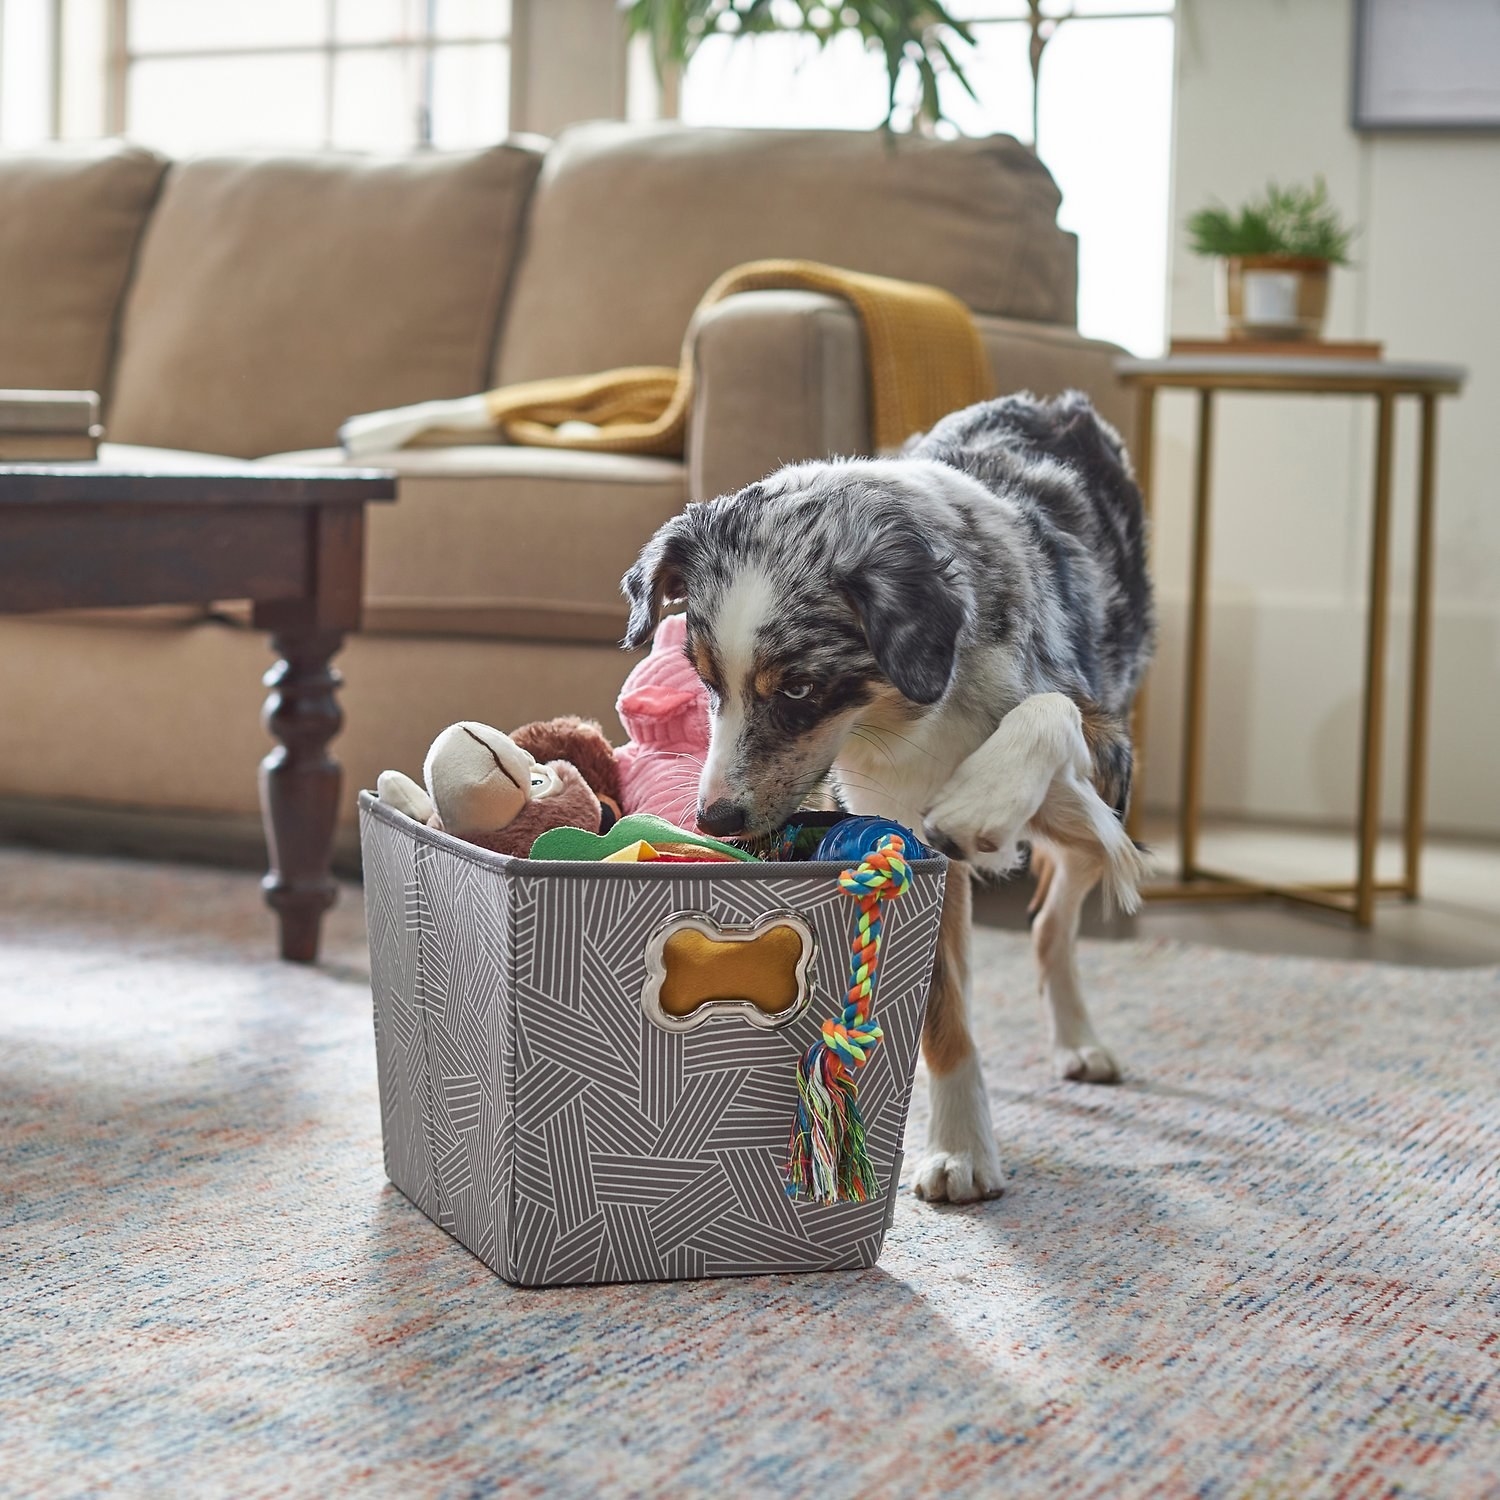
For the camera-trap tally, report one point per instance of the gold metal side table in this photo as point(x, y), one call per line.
point(1385, 381)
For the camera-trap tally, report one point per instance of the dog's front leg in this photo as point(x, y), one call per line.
point(962, 1162)
point(1034, 776)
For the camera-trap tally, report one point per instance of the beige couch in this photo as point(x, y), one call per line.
point(245, 306)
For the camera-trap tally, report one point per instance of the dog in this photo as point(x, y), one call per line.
point(953, 637)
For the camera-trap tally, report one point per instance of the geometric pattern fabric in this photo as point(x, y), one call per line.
point(532, 1109)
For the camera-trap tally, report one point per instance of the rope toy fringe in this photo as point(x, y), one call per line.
point(827, 1160)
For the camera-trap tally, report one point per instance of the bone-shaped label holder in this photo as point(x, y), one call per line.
point(697, 970)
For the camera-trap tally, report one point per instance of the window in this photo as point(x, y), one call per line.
point(1105, 120)
point(204, 75)
point(28, 43)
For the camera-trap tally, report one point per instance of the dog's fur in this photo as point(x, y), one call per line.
point(956, 635)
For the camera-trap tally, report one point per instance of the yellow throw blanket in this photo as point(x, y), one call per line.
point(924, 355)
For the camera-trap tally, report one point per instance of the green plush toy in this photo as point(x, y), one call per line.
point(578, 844)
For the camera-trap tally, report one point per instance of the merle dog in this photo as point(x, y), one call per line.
point(953, 638)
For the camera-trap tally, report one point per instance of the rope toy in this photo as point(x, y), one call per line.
point(827, 1160)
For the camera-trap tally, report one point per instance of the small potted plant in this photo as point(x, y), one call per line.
point(1274, 257)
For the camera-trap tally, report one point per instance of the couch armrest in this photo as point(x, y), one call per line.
point(1047, 359)
point(781, 377)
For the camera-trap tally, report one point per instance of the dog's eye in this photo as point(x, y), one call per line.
point(796, 691)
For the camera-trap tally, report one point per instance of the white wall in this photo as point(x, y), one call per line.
point(1106, 106)
point(567, 63)
point(1263, 89)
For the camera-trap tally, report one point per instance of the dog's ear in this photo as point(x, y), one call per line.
point(913, 606)
point(658, 577)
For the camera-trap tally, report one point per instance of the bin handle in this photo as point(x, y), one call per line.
point(697, 970)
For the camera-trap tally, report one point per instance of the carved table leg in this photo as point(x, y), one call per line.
point(299, 785)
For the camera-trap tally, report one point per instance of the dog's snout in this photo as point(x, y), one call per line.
point(722, 817)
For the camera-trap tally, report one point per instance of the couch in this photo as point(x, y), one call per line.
point(242, 307)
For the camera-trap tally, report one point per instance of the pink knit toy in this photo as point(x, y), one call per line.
point(665, 708)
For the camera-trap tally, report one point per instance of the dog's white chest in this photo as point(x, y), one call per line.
point(892, 773)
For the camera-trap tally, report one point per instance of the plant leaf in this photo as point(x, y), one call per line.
point(1292, 220)
point(918, 33)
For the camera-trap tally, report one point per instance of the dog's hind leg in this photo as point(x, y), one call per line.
point(1077, 1052)
point(962, 1162)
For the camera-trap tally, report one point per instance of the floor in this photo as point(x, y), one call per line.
point(1267, 1264)
point(1455, 924)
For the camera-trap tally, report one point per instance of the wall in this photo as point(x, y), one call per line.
point(567, 63)
point(1263, 89)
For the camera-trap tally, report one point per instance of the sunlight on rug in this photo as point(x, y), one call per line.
point(1267, 1264)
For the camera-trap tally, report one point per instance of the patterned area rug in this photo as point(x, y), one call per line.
point(1268, 1264)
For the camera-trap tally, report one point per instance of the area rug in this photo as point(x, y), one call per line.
point(1265, 1265)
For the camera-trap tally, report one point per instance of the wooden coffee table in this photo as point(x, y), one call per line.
point(291, 541)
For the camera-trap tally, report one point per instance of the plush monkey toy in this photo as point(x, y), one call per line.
point(485, 788)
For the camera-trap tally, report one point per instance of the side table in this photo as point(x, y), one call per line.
point(87, 535)
point(1294, 374)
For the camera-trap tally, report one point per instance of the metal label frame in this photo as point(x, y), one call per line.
point(711, 1010)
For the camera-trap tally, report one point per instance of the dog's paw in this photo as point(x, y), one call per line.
point(957, 826)
point(993, 851)
point(962, 1163)
point(1087, 1064)
point(955, 1177)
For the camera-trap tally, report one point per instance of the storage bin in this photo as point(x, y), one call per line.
point(538, 1104)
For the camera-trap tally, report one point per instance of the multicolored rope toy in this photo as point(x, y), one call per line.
point(827, 1161)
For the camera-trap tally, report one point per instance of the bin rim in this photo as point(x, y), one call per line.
point(512, 866)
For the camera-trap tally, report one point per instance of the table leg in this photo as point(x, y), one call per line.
point(1197, 648)
point(1421, 654)
point(299, 785)
point(1375, 641)
point(1145, 443)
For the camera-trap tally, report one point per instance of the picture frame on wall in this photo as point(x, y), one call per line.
point(1426, 65)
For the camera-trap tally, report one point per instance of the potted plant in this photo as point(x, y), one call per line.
point(916, 34)
point(1274, 257)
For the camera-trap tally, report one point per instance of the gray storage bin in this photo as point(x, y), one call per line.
point(534, 1109)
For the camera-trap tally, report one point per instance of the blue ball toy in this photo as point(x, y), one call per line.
point(848, 842)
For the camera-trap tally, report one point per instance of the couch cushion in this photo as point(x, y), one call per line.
point(70, 217)
point(519, 543)
point(196, 690)
point(276, 296)
point(630, 224)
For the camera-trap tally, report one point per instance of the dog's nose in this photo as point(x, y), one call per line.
point(722, 817)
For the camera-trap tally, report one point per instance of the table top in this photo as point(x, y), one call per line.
point(218, 482)
point(1294, 372)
